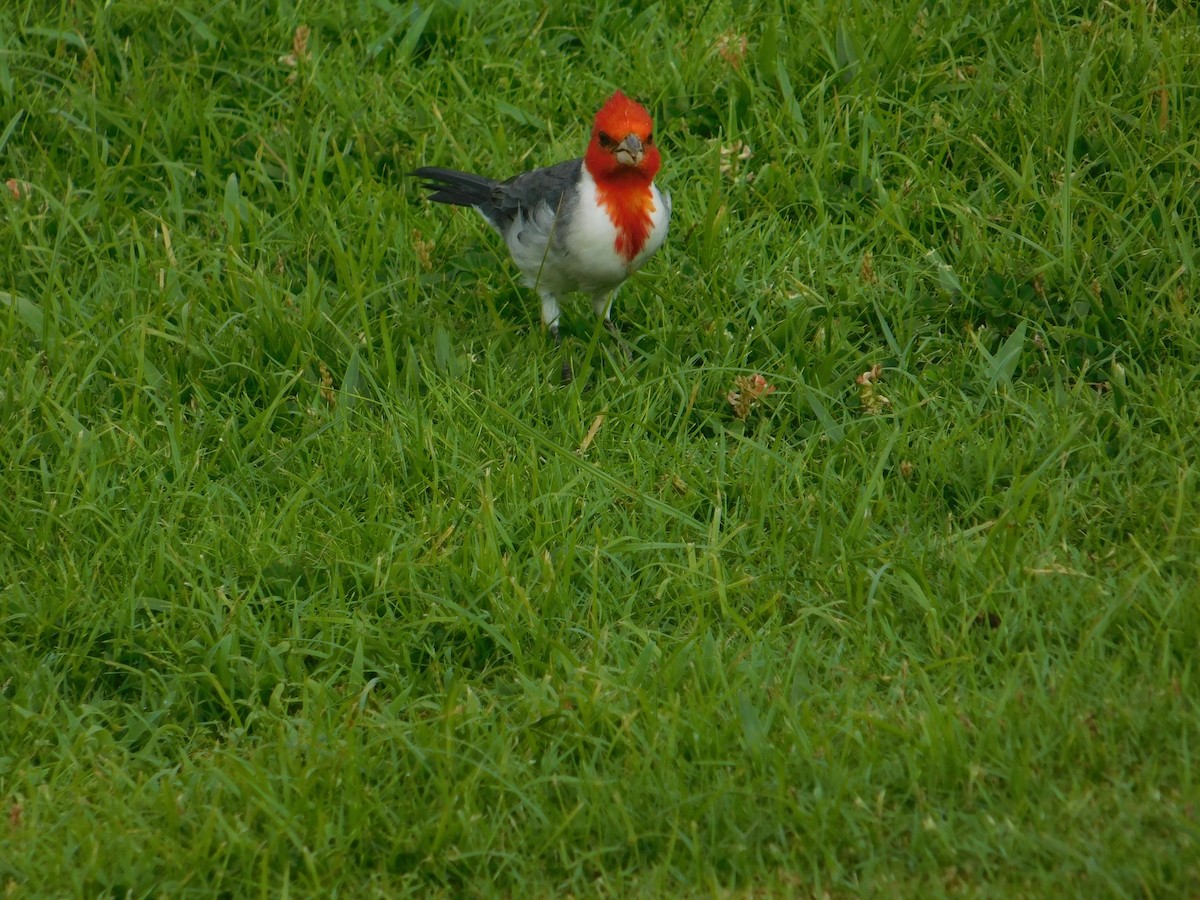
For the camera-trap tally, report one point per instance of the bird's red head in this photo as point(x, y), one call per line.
point(622, 146)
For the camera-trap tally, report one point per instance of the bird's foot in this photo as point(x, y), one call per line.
point(612, 328)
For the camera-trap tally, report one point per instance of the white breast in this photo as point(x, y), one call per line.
point(578, 252)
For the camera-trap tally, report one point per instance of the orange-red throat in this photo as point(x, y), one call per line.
point(623, 161)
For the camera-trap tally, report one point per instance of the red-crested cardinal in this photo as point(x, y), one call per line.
point(584, 225)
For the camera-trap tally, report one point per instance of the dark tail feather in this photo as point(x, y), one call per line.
point(457, 188)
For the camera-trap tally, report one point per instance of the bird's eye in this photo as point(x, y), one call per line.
point(650, 138)
point(606, 142)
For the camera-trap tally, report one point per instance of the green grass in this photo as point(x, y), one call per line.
point(312, 583)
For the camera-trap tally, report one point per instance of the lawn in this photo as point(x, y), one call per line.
point(315, 580)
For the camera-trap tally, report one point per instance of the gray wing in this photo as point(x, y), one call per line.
point(524, 195)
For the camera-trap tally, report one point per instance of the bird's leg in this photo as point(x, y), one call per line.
point(550, 316)
point(602, 306)
point(550, 312)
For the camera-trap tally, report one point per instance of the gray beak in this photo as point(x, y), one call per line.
point(630, 151)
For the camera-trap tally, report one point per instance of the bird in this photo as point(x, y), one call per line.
point(580, 226)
